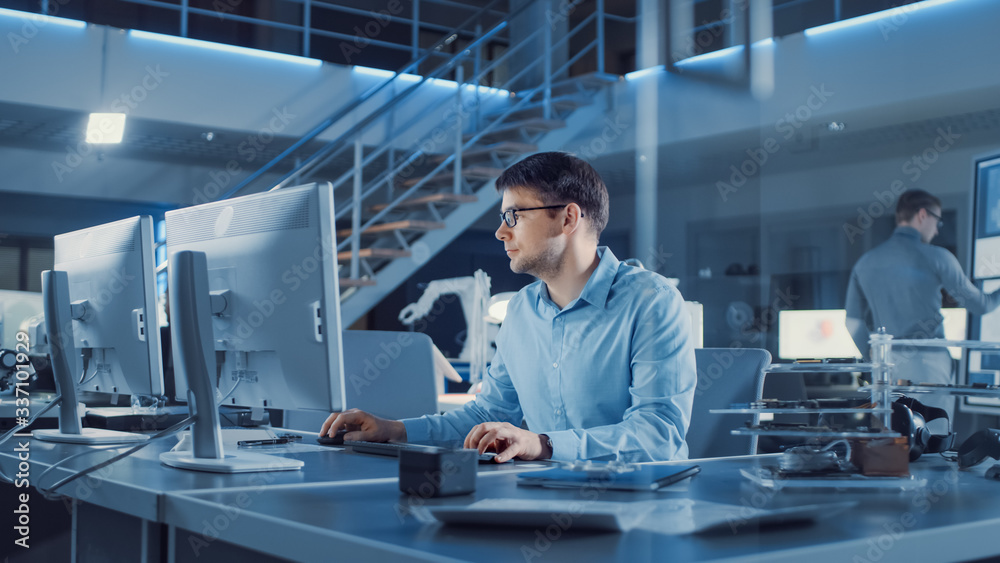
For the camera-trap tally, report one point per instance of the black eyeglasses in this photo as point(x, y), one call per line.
point(936, 216)
point(510, 216)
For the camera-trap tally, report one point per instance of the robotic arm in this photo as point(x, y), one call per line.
point(473, 293)
point(464, 288)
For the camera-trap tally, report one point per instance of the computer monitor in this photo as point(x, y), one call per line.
point(100, 303)
point(984, 366)
point(254, 297)
point(15, 307)
point(823, 333)
point(818, 333)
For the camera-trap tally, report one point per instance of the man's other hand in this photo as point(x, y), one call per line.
point(365, 427)
point(508, 441)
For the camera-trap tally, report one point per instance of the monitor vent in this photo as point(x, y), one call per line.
point(114, 238)
point(276, 212)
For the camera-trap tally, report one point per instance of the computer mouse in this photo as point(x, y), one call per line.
point(335, 440)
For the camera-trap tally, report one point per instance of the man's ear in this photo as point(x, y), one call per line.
point(573, 220)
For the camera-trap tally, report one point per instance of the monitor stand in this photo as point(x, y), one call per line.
point(194, 357)
point(59, 325)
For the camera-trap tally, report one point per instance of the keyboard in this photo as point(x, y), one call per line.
point(392, 449)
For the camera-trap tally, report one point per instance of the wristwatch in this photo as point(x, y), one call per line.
point(548, 443)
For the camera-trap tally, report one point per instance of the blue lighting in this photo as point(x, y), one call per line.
point(381, 73)
point(636, 74)
point(42, 19)
point(188, 42)
point(769, 42)
point(891, 12)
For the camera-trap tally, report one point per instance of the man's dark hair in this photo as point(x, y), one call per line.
point(911, 202)
point(558, 177)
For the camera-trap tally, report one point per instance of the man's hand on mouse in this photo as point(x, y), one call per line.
point(508, 441)
point(362, 426)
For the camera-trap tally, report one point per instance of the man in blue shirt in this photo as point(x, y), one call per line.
point(897, 285)
point(596, 358)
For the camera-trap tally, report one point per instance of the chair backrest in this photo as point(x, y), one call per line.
point(725, 376)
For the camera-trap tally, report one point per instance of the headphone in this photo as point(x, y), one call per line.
point(979, 446)
point(910, 418)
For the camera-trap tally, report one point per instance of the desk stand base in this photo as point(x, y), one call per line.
point(230, 463)
point(90, 436)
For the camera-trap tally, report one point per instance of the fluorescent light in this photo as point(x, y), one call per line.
point(42, 19)
point(713, 55)
point(486, 89)
point(768, 42)
point(636, 74)
point(188, 42)
point(382, 73)
point(875, 16)
point(105, 128)
point(377, 72)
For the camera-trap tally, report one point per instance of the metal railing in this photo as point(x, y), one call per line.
point(307, 28)
point(350, 140)
point(385, 180)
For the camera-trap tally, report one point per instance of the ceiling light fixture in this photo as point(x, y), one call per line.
point(105, 128)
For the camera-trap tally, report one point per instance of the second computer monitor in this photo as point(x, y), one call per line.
point(112, 289)
point(272, 272)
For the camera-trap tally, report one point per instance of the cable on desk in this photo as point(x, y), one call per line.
point(47, 493)
point(55, 401)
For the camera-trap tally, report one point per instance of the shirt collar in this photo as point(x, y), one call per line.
point(907, 231)
point(598, 286)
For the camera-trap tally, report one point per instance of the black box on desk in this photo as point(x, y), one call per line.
point(126, 420)
point(437, 472)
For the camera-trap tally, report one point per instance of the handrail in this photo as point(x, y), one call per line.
point(444, 164)
point(389, 173)
point(364, 123)
point(376, 184)
point(185, 9)
point(335, 146)
point(347, 110)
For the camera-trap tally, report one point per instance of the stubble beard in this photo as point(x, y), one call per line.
point(543, 265)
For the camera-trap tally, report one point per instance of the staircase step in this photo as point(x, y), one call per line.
point(374, 253)
point(478, 172)
point(356, 282)
point(503, 147)
point(536, 107)
point(572, 85)
point(408, 225)
point(534, 124)
point(444, 198)
point(424, 200)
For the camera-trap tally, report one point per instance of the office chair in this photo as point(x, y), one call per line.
point(725, 376)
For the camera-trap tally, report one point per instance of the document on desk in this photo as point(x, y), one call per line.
point(641, 478)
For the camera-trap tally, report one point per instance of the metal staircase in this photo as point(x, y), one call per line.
point(399, 203)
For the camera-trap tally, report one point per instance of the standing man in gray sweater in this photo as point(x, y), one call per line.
point(897, 285)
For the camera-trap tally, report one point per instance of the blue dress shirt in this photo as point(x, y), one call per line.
point(611, 376)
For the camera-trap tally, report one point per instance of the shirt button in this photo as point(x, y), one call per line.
point(559, 412)
point(555, 364)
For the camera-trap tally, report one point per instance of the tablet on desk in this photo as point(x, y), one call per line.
point(642, 478)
